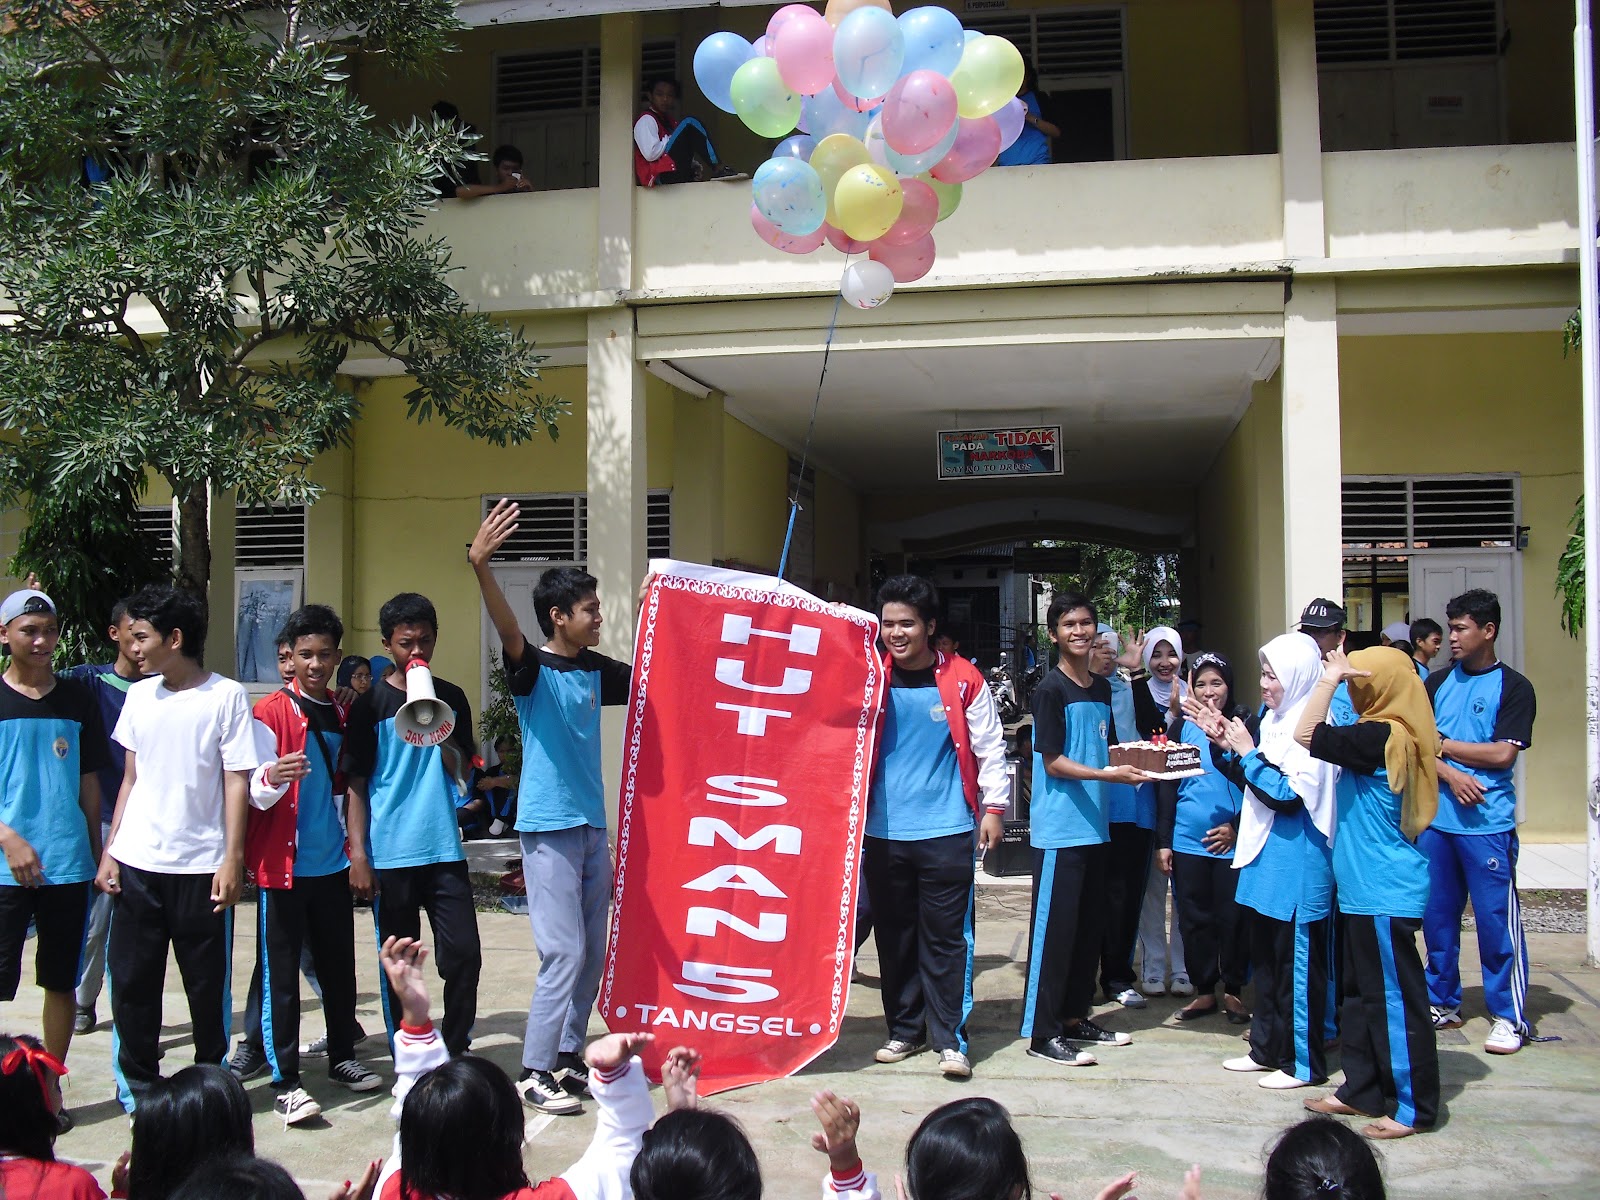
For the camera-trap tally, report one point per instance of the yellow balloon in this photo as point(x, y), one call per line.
point(987, 77)
point(868, 200)
point(838, 10)
point(834, 155)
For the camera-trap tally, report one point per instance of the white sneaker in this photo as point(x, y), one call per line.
point(295, 1106)
point(497, 828)
point(542, 1093)
point(1503, 1038)
point(1244, 1063)
point(1153, 987)
point(1281, 1081)
point(954, 1065)
point(1445, 1018)
point(1181, 986)
point(1131, 998)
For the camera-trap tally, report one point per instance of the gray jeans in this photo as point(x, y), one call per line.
point(567, 873)
point(92, 967)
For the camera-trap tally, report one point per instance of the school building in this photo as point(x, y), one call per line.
point(1295, 303)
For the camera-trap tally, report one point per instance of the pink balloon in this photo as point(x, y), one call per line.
point(1011, 118)
point(841, 243)
point(783, 16)
point(855, 103)
point(976, 147)
point(907, 263)
point(803, 50)
point(918, 111)
point(918, 215)
point(789, 243)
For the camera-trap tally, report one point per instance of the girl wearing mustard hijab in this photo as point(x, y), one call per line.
point(1388, 792)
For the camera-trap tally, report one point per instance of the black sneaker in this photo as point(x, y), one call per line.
point(1058, 1050)
point(1095, 1035)
point(83, 1021)
point(248, 1062)
point(572, 1073)
point(354, 1075)
point(541, 1092)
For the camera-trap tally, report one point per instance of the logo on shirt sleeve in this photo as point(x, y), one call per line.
point(61, 747)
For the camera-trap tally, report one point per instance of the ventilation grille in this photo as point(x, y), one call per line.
point(269, 537)
point(566, 80)
point(156, 523)
point(555, 528)
point(1386, 31)
point(1078, 41)
point(1430, 513)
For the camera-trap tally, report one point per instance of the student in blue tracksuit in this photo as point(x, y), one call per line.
point(559, 689)
point(1388, 793)
point(1131, 812)
point(1285, 867)
point(1195, 828)
point(1072, 733)
point(1426, 637)
point(1485, 714)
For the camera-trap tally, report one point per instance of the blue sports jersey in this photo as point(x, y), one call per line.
point(46, 747)
point(411, 790)
point(1379, 872)
point(916, 788)
point(1341, 710)
point(558, 702)
point(1204, 801)
point(318, 831)
point(1291, 879)
point(1496, 705)
point(1074, 722)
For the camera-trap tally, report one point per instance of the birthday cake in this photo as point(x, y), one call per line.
point(1158, 758)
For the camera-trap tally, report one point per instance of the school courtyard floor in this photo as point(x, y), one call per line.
point(1527, 1124)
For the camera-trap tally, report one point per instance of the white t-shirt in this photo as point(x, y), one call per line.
point(184, 741)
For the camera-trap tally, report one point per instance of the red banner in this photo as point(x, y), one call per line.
point(746, 764)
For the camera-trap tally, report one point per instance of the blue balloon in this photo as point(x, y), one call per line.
point(715, 61)
point(868, 49)
point(788, 193)
point(825, 113)
point(798, 145)
point(906, 165)
point(934, 40)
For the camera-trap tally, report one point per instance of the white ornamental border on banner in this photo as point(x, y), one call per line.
point(740, 585)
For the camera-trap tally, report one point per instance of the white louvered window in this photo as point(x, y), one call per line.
point(1404, 515)
point(554, 527)
point(269, 537)
point(158, 523)
point(1393, 31)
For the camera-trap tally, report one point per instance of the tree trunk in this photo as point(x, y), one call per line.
point(194, 537)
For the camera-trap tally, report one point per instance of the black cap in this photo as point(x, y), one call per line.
point(1322, 613)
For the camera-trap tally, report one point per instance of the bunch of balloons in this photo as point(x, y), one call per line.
point(893, 116)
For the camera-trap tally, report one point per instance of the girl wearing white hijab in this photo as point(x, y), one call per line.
point(1153, 697)
point(1160, 946)
point(1285, 865)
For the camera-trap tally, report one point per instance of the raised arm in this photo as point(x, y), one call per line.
point(499, 525)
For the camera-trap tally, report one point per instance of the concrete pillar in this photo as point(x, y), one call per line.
point(616, 476)
point(1312, 475)
point(1299, 129)
point(619, 96)
point(698, 519)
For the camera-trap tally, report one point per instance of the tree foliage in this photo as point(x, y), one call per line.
point(1570, 588)
point(251, 224)
point(1131, 589)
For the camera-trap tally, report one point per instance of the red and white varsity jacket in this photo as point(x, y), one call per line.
point(975, 728)
point(269, 839)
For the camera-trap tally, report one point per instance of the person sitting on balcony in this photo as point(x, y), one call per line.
point(667, 149)
point(507, 164)
point(1033, 143)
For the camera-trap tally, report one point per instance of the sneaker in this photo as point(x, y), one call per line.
point(1181, 986)
point(319, 1048)
point(1445, 1018)
point(1244, 1063)
point(248, 1062)
point(84, 1020)
point(1504, 1038)
point(497, 828)
point(572, 1073)
point(542, 1093)
point(295, 1106)
point(954, 1065)
point(1282, 1081)
point(355, 1076)
point(1096, 1035)
point(1058, 1050)
point(1130, 997)
point(1154, 987)
point(895, 1050)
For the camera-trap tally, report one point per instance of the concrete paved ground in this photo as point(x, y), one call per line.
point(1528, 1123)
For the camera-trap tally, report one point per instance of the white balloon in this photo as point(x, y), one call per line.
point(867, 284)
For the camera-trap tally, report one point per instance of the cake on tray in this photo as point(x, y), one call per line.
point(1171, 758)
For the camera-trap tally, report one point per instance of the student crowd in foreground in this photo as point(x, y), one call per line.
point(1321, 836)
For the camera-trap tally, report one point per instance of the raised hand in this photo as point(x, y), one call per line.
point(1237, 737)
point(1119, 1187)
point(841, 1121)
point(402, 960)
point(499, 525)
point(610, 1052)
point(1337, 667)
point(1207, 718)
point(680, 1077)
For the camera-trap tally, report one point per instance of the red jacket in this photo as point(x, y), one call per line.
point(960, 683)
point(269, 839)
point(644, 170)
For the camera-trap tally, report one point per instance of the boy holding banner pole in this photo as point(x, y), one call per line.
point(941, 774)
point(558, 689)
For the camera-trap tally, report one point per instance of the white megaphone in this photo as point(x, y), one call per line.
point(424, 719)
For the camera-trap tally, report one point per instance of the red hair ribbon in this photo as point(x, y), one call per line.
point(40, 1060)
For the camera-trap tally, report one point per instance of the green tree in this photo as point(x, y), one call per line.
point(252, 223)
point(1570, 587)
point(1131, 589)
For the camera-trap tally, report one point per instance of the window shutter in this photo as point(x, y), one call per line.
point(269, 537)
point(156, 523)
point(1431, 512)
point(1062, 42)
point(554, 528)
point(1388, 31)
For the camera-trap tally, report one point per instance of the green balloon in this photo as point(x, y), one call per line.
point(949, 194)
point(988, 76)
point(762, 100)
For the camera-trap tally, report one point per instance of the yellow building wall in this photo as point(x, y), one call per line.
point(756, 505)
point(1186, 80)
point(1492, 403)
point(1239, 551)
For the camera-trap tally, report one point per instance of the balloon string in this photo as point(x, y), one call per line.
point(811, 428)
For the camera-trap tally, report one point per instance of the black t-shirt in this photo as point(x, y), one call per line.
point(901, 677)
